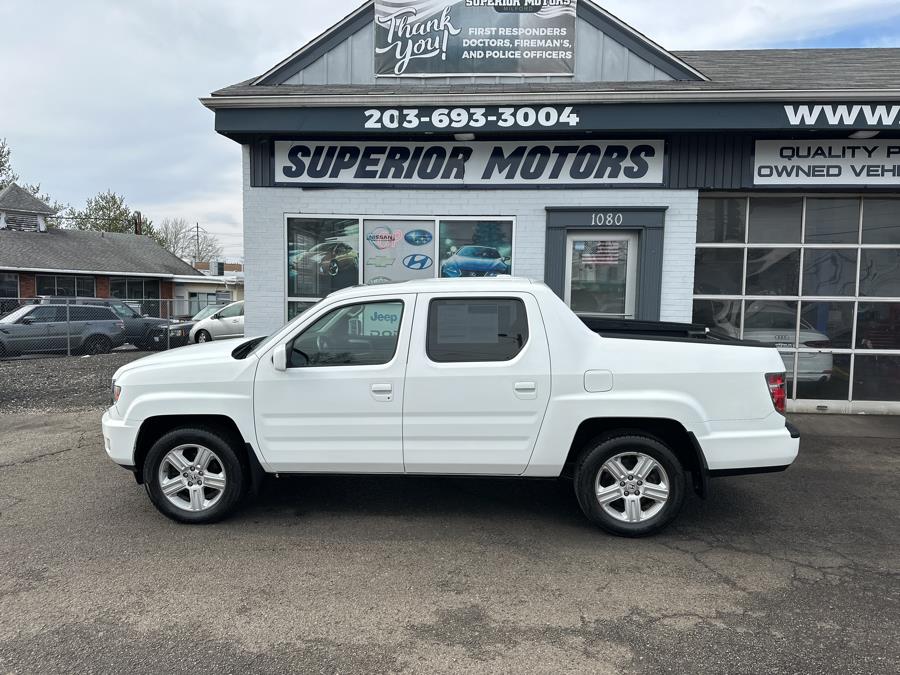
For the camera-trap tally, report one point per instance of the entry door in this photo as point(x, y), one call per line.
point(339, 405)
point(601, 274)
point(477, 386)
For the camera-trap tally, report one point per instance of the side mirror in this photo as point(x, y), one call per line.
point(279, 358)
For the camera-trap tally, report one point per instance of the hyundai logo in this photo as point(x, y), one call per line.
point(417, 262)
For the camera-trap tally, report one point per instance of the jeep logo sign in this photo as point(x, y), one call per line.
point(477, 164)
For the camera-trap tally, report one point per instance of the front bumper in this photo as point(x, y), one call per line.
point(119, 439)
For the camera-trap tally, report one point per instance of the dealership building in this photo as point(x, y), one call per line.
point(756, 192)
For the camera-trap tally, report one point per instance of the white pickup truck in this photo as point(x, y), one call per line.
point(482, 377)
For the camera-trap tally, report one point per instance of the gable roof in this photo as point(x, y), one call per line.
point(14, 198)
point(82, 251)
point(364, 16)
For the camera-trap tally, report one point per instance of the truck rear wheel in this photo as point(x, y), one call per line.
point(630, 485)
point(193, 475)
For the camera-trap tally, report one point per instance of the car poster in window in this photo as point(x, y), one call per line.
point(439, 38)
point(322, 256)
point(398, 250)
point(475, 248)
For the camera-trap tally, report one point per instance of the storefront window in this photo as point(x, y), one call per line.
point(398, 250)
point(475, 248)
point(881, 222)
point(323, 256)
point(832, 221)
point(722, 220)
point(794, 285)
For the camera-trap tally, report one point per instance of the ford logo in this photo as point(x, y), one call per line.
point(417, 262)
point(418, 237)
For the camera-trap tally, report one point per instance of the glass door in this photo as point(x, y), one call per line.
point(601, 273)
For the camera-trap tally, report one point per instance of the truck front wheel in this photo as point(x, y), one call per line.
point(630, 485)
point(193, 475)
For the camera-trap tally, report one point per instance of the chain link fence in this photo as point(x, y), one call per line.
point(50, 326)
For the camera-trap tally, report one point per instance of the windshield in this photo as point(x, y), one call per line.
point(206, 312)
point(16, 314)
point(478, 252)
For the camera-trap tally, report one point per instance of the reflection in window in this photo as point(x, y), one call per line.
point(721, 316)
point(771, 322)
point(476, 330)
point(823, 376)
point(718, 271)
point(832, 221)
point(829, 272)
point(773, 271)
point(775, 220)
point(881, 221)
point(879, 274)
point(875, 378)
point(878, 326)
point(721, 220)
point(323, 256)
point(825, 325)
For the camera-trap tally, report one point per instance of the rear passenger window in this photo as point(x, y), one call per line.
point(476, 330)
point(82, 313)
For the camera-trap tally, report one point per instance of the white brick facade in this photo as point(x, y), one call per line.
point(265, 237)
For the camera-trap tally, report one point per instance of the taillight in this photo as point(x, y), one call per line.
point(778, 390)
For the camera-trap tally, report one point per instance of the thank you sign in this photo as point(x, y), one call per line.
point(443, 38)
point(838, 162)
point(476, 164)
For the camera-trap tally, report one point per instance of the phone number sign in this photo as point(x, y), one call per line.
point(471, 118)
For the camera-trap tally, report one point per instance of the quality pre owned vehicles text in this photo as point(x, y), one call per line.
point(475, 376)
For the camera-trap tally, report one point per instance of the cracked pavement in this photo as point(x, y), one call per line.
point(786, 573)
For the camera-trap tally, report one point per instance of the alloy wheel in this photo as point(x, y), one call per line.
point(192, 478)
point(632, 487)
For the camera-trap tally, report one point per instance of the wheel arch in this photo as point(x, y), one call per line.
point(155, 427)
point(670, 432)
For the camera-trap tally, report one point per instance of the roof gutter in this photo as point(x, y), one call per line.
point(147, 275)
point(568, 97)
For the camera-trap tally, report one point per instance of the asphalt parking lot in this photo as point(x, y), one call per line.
point(786, 573)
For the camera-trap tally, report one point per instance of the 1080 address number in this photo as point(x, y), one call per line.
point(475, 118)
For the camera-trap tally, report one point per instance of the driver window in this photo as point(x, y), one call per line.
point(231, 312)
point(354, 335)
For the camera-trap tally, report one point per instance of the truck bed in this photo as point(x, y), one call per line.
point(661, 330)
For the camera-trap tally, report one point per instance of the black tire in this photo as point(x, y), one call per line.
point(224, 447)
point(203, 336)
point(601, 450)
point(97, 344)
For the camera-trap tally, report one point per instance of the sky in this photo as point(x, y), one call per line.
point(102, 95)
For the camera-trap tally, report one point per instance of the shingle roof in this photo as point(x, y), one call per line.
point(88, 252)
point(753, 70)
point(14, 198)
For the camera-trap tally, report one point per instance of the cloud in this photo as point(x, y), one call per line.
point(104, 93)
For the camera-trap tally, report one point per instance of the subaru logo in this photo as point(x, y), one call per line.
point(417, 262)
point(418, 237)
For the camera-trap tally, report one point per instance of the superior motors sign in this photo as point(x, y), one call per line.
point(838, 163)
point(477, 164)
point(439, 38)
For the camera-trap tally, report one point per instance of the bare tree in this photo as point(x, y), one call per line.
point(188, 241)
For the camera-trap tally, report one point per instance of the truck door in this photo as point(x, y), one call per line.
point(477, 384)
point(338, 406)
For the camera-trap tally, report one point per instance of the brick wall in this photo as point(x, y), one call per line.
point(27, 285)
point(101, 287)
point(264, 232)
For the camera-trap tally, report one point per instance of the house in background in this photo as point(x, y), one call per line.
point(38, 261)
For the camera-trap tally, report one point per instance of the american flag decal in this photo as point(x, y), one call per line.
point(604, 253)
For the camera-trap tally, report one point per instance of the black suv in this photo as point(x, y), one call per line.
point(147, 333)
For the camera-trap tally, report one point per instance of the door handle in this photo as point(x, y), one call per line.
point(526, 390)
point(383, 392)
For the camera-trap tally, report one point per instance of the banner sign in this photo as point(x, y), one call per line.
point(442, 38)
point(476, 164)
point(839, 162)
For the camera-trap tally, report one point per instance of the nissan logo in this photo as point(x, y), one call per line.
point(417, 262)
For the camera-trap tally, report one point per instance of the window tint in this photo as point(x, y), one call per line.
point(355, 335)
point(476, 330)
point(84, 313)
point(47, 314)
point(721, 220)
point(233, 311)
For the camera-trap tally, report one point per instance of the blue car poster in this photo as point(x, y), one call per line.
point(481, 248)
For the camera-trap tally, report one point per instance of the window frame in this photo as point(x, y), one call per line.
point(802, 298)
point(328, 311)
point(476, 298)
point(361, 219)
point(18, 285)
